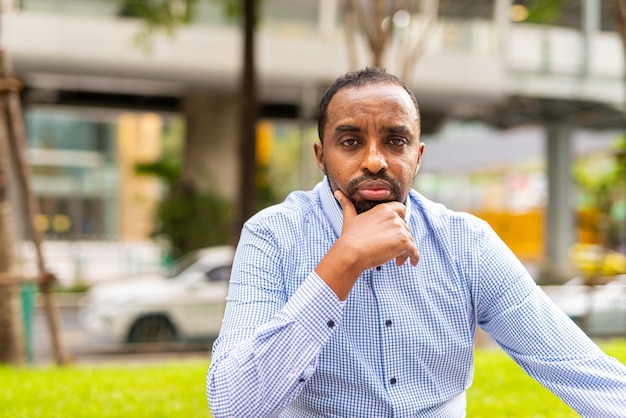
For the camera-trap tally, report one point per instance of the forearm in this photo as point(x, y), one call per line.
point(594, 385)
point(261, 374)
point(339, 270)
point(555, 352)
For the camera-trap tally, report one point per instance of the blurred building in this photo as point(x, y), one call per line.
point(97, 102)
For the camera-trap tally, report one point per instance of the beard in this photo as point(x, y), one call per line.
point(365, 205)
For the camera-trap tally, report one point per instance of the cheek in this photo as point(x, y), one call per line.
point(333, 171)
point(338, 173)
point(407, 173)
point(333, 164)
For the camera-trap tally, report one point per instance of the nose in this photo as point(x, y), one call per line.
point(374, 160)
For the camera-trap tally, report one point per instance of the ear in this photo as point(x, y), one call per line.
point(422, 148)
point(419, 158)
point(318, 147)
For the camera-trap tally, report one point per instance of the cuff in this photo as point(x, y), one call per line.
point(316, 308)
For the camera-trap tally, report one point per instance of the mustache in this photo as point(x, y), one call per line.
point(352, 186)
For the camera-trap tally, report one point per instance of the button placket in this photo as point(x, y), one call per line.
point(388, 323)
point(388, 333)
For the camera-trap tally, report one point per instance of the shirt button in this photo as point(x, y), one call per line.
point(330, 323)
point(393, 381)
point(378, 268)
point(388, 322)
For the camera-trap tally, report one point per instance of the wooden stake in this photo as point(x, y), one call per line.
point(17, 143)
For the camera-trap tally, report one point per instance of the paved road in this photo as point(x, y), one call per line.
point(84, 350)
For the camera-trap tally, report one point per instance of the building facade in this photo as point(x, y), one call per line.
point(97, 101)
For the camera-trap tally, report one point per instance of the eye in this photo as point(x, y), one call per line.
point(398, 141)
point(350, 142)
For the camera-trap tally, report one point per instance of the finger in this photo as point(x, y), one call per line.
point(397, 207)
point(400, 260)
point(413, 255)
point(349, 211)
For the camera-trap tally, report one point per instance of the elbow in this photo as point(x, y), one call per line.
point(233, 402)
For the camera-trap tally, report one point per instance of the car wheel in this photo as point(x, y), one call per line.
point(152, 329)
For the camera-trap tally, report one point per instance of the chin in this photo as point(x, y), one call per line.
point(365, 205)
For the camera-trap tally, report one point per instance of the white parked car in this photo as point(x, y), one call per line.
point(599, 310)
point(188, 305)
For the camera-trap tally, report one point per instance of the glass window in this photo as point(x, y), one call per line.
point(219, 274)
point(72, 155)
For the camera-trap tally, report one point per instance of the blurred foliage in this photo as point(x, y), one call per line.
point(172, 13)
point(193, 220)
point(158, 16)
point(159, 12)
point(603, 187)
point(186, 219)
point(167, 16)
point(79, 287)
point(545, 11)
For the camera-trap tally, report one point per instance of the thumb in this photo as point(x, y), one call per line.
point(347, 207)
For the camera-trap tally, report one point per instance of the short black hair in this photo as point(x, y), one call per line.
point(364, 77)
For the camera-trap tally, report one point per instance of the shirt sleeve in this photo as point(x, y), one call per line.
point(269, 345)
point(549, 346)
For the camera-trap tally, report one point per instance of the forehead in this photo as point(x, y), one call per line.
point(373, 100)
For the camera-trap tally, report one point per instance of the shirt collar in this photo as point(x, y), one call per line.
point(332, 208)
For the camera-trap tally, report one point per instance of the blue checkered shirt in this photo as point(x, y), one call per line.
point(402, 344)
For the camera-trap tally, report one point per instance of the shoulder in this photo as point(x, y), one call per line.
point(298, 207)
point(284, 230)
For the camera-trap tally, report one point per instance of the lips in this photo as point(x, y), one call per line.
point(374, 190)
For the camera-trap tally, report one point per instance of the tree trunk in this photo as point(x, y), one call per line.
point(247, 145)
point(11, 327)
point(374, 20)
point(416, 43)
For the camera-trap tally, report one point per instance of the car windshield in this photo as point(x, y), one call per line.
point(183, 263)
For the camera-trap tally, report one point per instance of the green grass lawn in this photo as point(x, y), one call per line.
point(171, 389)
point(176, 389)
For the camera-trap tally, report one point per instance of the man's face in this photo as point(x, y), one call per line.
point(371, 150)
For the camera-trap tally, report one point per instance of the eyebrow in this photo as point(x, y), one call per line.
point(400, 129)
point(347, 128)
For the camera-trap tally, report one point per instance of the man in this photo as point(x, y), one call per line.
point(329, 313)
